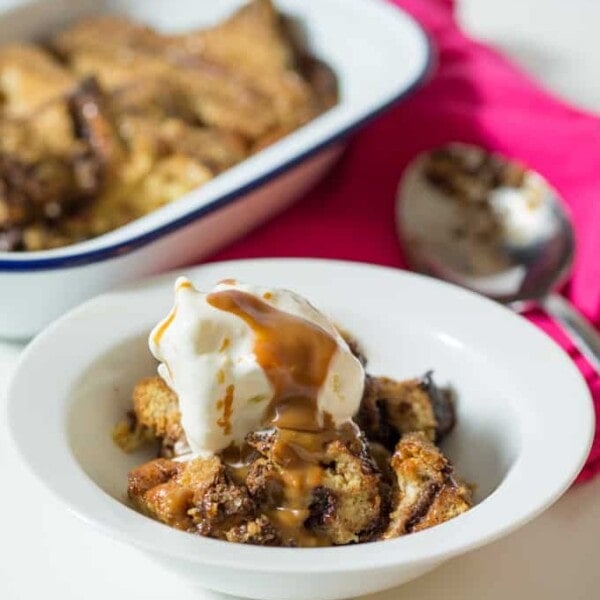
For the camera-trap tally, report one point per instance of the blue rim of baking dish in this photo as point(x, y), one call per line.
point(129, 245)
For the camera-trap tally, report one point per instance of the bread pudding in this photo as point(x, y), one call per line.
point(110, 119)
point(269, 431)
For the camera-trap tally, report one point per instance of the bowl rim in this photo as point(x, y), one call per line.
point(539, 475)
point(103, 246)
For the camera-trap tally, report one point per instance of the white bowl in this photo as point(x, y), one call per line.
point(525, 419)
point(379, 55)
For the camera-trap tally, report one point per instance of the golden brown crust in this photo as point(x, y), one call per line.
point(254, 44)
point(29, 79)
point(156, 472)
point(217, 149)
point(55, 161)
point(355, 508)
point(251, 40)
point(391, 408)
point(214, 94)
point(199, 496)
point(104, 31)
point(156, 406)
point(259, 532)
point(426, 491)
point(153, 117)
point(246, 74)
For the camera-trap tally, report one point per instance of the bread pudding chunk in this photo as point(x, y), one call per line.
point(156, 407)
point(199, 496)
point(391, 408)
point(54, 163)
point(426, 493)
point(318, 488)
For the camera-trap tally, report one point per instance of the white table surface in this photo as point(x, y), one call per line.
point(46, 553)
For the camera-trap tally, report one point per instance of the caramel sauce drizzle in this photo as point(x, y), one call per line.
point(226, 405)
point(238, 459)
point(171, 316)
point(164, 326)
point(295, 355)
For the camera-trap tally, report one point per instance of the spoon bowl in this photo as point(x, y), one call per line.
point(489, 224)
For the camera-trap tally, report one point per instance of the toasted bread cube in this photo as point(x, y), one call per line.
point(259, 532)
point(353, 510)
point(427, 492)
point(154, 490)
point(391, 408)
point(30, 78)
point(254, 44)
point(199, 496)
point(107, 31)
point(156, 406)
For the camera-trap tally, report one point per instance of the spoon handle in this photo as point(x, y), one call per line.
point(581, 332)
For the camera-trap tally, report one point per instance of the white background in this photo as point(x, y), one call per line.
point(46, 553)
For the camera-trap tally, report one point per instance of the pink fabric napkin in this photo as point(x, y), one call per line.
point(478, 96)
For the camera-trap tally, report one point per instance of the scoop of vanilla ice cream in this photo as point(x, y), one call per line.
point(207, 359)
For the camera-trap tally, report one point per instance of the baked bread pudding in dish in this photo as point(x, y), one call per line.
point(110, 119)
point(270, 432)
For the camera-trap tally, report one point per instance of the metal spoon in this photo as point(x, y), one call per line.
point(485, 222)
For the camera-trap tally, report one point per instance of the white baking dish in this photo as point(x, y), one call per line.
point(379, 54)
